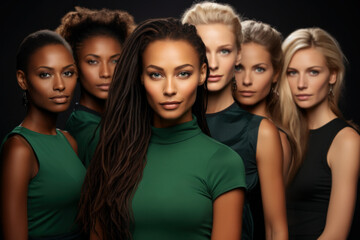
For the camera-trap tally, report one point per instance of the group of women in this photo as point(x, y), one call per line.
point(203, 127)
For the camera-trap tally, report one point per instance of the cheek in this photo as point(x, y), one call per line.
point(153, 92)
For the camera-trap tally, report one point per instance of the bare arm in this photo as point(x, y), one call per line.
point(19, 165)
point(270, 167)
point(287, 154)
point(227, 215)
point(344, 161)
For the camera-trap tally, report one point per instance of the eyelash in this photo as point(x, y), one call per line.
point(225, 51)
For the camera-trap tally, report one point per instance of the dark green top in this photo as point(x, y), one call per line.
point(239, 129)
point(185, 172)
point(83, 125)
point(54, 193)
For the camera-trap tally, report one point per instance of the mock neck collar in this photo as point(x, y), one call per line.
point(174, 134)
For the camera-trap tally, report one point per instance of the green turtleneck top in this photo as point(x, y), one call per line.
point(185, 172)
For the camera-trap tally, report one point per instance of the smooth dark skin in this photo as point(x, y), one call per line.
point(18, 161)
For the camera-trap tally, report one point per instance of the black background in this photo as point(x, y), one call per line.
point(19, 18)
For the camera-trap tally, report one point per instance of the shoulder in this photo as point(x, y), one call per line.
point(345, 148)
point(17, 153)
point(267, 129)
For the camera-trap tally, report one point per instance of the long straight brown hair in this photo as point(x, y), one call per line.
point(117, 166)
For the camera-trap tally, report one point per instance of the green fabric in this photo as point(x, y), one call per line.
point(83, 126)
point(238, 129)
point(185, 172)
point(54, 193)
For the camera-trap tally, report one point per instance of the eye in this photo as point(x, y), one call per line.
point(115, 61)
point(314, 72)
point(44, 75)
point(225, 51)
point(69, 73)
point(291, 73)
point(92, 62)
point(184, 74)
point(259, 69)
point(155, 75)
point(239, 68)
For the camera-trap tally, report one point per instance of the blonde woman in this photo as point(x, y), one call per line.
point(254, 138)
point(321, 197)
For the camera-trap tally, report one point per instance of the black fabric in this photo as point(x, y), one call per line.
point(309, 193)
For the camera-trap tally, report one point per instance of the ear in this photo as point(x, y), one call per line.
point(238, 57)
point(203, 71)
point(275, 77)
point(21, 79)
point(333, 77)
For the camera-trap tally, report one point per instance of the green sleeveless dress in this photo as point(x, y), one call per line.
point(239, 129)
point(54, 193)
point(83, 125)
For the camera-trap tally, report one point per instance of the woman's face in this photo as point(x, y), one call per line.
point(50, 79)
point(309, 78)
point(97, 58)
point(221, 52)
point(171, 76)
point(254, 75)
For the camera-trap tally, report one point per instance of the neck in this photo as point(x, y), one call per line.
point(91, 102)
point(219, 100)
point(259, 109)
point(319, 115)
point(40, 120)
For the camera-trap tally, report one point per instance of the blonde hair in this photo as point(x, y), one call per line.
point(210, 12)
point(322, 41)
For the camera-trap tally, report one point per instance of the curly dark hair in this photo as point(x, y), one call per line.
point(83, 23)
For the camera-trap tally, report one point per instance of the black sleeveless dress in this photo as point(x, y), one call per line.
point(308, 194)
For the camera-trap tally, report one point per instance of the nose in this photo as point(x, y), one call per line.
point(213, 62)
point(302, 82)
point(170, 87)
point(104, 71)
point(59, 83)
point(247, 80)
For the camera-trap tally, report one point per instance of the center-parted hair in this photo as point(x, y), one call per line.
point(117, 166)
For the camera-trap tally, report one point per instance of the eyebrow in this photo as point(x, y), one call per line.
point(50, 68)
point(97, 56)
point(177, 68)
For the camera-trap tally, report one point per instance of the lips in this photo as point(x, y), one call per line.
point(247, 93)
point(170, 105)
point(303, 97)
point(214, 78)
point(60, 99)
point(104, 86)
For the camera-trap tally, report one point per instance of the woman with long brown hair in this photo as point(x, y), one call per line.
point(156, 174)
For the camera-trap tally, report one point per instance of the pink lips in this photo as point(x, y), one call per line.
point(170, 105)
point(303, 97)
point(60, 99)
point(214, 78)
point(104, 87)
point(246, 93)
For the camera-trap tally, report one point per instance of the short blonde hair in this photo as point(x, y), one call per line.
point(210, 12)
